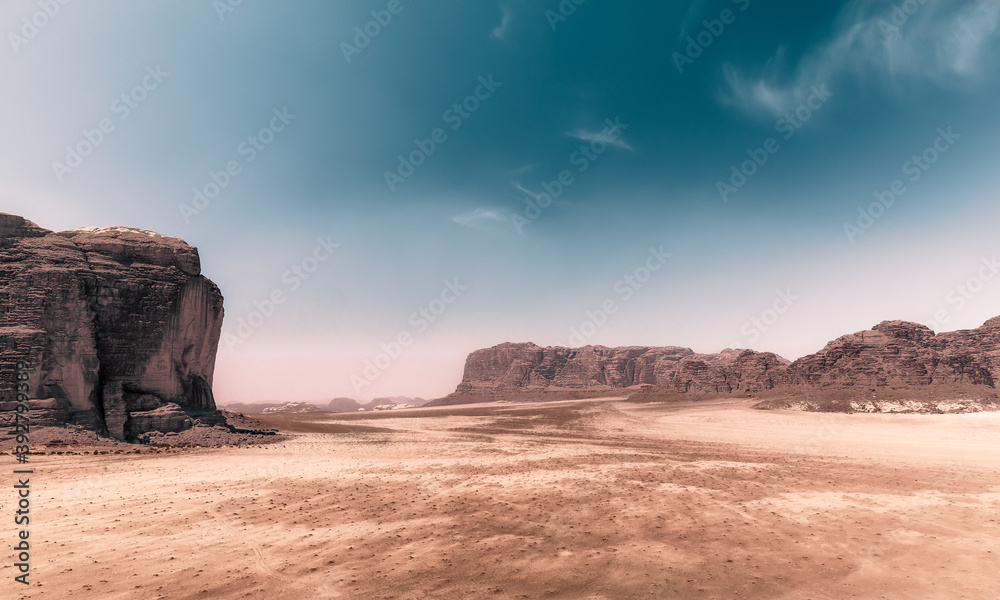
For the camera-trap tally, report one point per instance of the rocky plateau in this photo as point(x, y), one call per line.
point(896, 366)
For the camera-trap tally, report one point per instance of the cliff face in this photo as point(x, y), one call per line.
point(118, 325)
point(894, 354)
point(902, 354)
point(530, 368)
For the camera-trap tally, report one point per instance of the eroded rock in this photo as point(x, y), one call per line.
point(527, 368)
point(894, 356)
point(116, 324)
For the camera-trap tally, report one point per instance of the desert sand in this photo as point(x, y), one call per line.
point(597, 499)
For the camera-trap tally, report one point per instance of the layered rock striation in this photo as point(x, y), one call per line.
point(530, 368)
point(902, 354)
point(893, 354)
point(118, 326)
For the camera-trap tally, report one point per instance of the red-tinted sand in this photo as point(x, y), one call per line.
point(573, 500)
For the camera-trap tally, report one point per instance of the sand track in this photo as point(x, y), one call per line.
point(259, 561)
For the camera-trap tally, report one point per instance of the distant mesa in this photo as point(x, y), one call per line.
point(896, 366)
point(118, 326)
point(394, 403)
point(272, 408)
point(534, 370)
point(388, 403)
point(337, 405)
point(292, 408)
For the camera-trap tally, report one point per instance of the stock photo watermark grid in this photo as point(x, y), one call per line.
point(394, 200)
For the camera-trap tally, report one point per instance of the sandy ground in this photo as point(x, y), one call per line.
point(578, 500)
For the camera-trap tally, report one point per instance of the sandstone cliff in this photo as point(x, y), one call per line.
point(893, 355)
point(902, 354)
point(118, 325)
point(527, 368)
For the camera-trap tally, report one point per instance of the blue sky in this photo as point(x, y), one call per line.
point(644, 112)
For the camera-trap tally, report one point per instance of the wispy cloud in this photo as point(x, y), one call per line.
point(525, 191)
point(501, 30)
point(477, 217)
point(610, 139)
point(943, 43)
point(694, 13)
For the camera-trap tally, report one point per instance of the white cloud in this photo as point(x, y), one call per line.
point(944, 43)
point(501, 30)
point(971, 30)
point(477, 217)
point(590, 137)
point(525, 191)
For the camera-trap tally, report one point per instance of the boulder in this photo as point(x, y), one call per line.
point(165, 419)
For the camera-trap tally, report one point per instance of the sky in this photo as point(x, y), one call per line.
point(415, 179)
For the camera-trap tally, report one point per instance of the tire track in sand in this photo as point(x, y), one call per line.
point(322, 592)
point(262, 567)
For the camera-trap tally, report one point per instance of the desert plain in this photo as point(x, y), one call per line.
point(598, 499)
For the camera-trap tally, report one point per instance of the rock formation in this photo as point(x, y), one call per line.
point(902, 354)
point(118, 326)
point(342, 404)
point(338, 405)
point(892, 355)
point(291, 408)
point(527, 368)
point(393, 401)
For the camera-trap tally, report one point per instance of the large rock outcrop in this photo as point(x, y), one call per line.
point(527, 368)
point(902, 354)
point(118, 326)
point(894, 355)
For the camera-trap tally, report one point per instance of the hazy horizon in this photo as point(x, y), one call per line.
point(709, 161)
point(449, 389)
